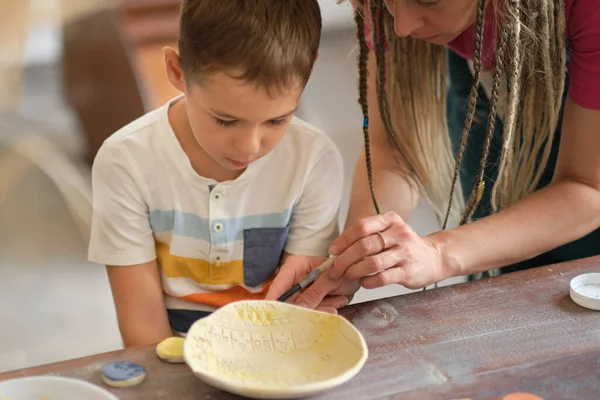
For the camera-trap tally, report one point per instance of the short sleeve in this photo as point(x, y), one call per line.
point(120, 232)
point(315, 223)
point(583, 31)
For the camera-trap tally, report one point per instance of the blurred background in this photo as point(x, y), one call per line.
point(71, 73)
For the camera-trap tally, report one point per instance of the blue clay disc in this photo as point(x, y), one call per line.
point(123, 374)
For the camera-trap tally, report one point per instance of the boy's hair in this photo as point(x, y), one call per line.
point(271, 43)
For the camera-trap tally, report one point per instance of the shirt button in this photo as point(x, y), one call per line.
point(218, 227)
point(216, 196)
point(218, 258)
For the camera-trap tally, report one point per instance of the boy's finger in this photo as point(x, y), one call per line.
point(335, 302)
point(315, 293)
point(290, 273)
point(328, 310)
point(329, 303)
point(283, 282)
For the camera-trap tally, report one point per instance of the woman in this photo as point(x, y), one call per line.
point(516, 84)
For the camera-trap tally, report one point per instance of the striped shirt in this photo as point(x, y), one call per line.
point(215, 242)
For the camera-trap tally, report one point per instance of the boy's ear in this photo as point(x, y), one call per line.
point(173, 67)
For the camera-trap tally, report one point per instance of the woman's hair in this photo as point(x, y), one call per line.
point(530, 58)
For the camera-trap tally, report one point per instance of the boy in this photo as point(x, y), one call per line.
point(197, 202)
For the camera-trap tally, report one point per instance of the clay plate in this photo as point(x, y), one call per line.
point(272, 350)
point(52, 388)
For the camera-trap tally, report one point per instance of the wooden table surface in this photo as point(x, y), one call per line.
point(478, 340)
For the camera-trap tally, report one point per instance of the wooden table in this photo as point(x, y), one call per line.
point(479, 340)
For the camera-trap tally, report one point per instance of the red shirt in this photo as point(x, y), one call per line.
point(583, 32)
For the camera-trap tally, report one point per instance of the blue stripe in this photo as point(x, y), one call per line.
point(194, 226)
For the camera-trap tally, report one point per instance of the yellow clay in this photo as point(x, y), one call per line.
point(260, 317)
point(171, 350)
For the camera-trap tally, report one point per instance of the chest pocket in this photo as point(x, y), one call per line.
point(262, 252)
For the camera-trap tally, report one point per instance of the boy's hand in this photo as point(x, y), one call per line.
point(325, 294)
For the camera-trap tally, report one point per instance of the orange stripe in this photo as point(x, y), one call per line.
point(224, 297)
point(198, 270)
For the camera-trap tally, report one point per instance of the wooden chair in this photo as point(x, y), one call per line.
point(112, 65)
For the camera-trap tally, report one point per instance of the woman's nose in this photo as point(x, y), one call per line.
point(407, 18)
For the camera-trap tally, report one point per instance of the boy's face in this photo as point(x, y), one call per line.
point(236, 123)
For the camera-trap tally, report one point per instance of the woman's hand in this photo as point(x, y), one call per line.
point(325, 294)
point(383, 250)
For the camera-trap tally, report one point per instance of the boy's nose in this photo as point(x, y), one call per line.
point(248, 144)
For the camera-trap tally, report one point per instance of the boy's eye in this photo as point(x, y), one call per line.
point(222, 122)
point(278, 121)
point(428, 3)
point(225, 123)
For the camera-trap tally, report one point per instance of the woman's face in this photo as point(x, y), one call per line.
point(435, 21)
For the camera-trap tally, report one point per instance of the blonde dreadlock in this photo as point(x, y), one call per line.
point(534, 33)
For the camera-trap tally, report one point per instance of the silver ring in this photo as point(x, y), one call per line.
point(385, 244)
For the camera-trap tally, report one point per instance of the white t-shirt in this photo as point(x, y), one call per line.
point(214, 242)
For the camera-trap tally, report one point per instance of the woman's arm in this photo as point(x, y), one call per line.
point(383, 249)
point(139, 302)
point(392, 189)
point(566, 210)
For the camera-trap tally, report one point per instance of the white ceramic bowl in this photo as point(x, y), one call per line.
point(585, 290)
point(52, 388)
point(272, 350)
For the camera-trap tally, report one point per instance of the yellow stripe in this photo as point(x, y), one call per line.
point(198, 270)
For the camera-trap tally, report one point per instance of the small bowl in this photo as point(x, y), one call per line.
point(52, 388)
point(272, 350)
point(585, 290)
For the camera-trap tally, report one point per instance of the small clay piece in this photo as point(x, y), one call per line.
point(171, 350)
point(521, 396)
point(123, 374)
